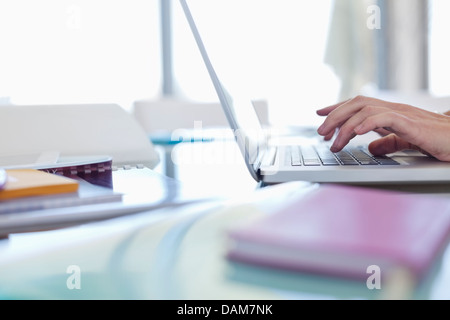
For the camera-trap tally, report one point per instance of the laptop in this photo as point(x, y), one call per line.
point(273, 160)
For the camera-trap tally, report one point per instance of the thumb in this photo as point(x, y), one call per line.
point(390, 144)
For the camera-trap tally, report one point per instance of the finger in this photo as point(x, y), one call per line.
point(326, 111)
point(382, 132)
point(401, 125)
point(340, 142)
point(389, 144)
point(346, 110)
point(347, 130)
point(389, 121)
point(329, 136)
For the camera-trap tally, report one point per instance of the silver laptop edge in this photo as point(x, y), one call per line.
point(246, 145)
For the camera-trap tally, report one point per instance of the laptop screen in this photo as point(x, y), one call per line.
point(239, 111)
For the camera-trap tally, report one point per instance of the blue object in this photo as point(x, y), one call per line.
point(166, 139)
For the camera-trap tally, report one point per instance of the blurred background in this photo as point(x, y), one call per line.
point(297, 55)
point(291, 56)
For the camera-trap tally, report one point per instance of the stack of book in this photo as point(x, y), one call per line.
point(32, 189)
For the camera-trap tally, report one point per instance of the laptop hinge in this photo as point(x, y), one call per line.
point(266, 158)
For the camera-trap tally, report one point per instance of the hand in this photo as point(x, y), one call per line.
point(402, 127)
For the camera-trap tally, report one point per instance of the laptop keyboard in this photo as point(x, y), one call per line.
point(322, 156)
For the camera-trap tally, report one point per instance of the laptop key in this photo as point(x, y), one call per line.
point(330, 162)
point(310, 157)
point(311, 162)
point(346, 159)
point(327, 157)
point(386, 161)
point(322, 156)
point(363, 158)
point(295, 156)
point(368, 163)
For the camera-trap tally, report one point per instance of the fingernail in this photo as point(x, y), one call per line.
point(335, 146)
point(334, 149)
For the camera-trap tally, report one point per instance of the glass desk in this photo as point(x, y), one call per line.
point(175, 253)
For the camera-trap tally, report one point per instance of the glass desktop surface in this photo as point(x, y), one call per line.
point(172, 253)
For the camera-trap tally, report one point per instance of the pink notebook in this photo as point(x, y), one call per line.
point(341, 231)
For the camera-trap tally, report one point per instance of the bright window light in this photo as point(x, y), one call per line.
point(266, 49)
point(439, 48)
point(75, 51)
